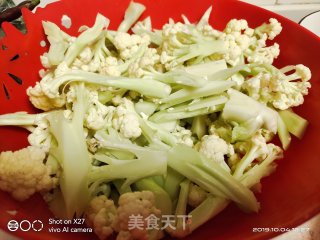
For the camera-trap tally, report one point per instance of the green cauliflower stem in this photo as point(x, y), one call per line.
point(210, 176)
point(147, 87)
point(196, 195)
point(131, 15)
point(131, 170)
point(72, 154)
point(162, 199)
point(145, 27)
point(187, 94)
point(37, 124)
point(86, 38)
point(59, 42)
point(258, 150)
point(242, 108)
point(295, 124)
point(184, 42)
point(181, 228)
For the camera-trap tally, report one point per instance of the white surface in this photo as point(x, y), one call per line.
point(294, 12)
point(312, 22)
point(260, 2)
point(297, 1)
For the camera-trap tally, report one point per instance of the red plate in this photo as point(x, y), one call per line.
point(289, 196)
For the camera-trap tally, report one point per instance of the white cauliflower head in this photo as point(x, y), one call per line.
point(40, 136)
point(98, 116)
point(215, 148)
point(45, 61)
point(243, 41)
point(125, 119)
point(100, 215)
point(23, 173)
point(83, 61)
point(128, 44)
point(281, 90)
point(135, 204)
point(264, 55)
point(110, 66)
point(41, 101)
point(271, 29)
point(145, 65)
point(236, 26)
point(183, 135)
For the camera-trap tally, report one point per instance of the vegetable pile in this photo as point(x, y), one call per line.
point(176, 121)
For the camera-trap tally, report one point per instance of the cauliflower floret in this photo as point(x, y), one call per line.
point(125, 119)
point(254, 151)
point(233, 160)
point(259, 141)
point(44, 59)
point(204, 26)
point(234, 51)
point(271, 29)
point(135, 204)
point(208, 30)
point(110, 66)
point(98, 116)
point(302, 72)
point(264, 55)
point(86, 55)
point(254, 85)
point(242, 41)
point(61, 69)
point(93, 145)
point(128, 44)
point(237, 38)
point(83, 60)
point(258, 52)
point(145, 65)
point(100, 216)
point(130, 126)
point(215, 148)
point(282, 91)
point(23, 173)
point(41, 101)
point(196, 195)
point(78, 64)
point(236, 26)
point(183, 135)
point(40, 136)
